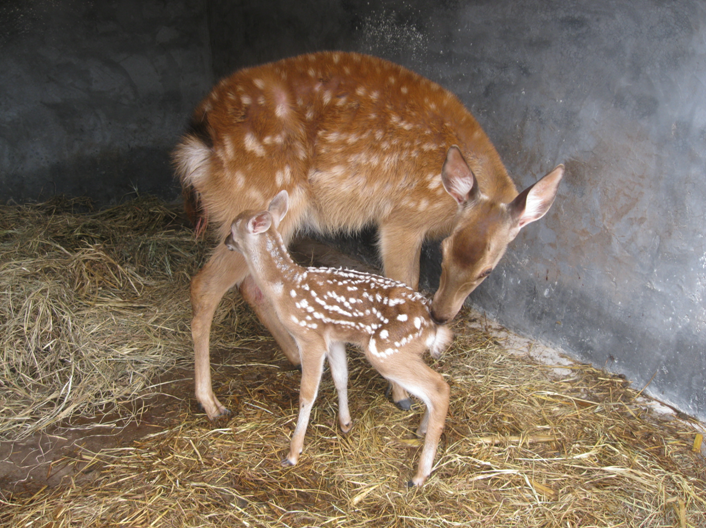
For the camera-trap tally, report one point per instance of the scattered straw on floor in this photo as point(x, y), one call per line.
point(521, 446)
point(91, 303)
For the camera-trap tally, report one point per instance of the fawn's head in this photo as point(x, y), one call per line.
point(249, 224)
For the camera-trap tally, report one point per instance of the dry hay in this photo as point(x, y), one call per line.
point(92, 305)
point(521, 447)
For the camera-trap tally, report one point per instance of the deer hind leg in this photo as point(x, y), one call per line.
point(338, 362)
point(222, 271)
point(313, 354)
point(400, 250)
point(429, 386)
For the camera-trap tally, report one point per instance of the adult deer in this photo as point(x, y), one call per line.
point(355, 141)
point(324, 308)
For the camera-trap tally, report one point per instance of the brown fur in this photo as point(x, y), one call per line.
point(355, 141)
point(324, 308)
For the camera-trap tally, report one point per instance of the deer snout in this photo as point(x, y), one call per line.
point(231, 243)
point(438, 320)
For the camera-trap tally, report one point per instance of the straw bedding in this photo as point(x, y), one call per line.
point(95, 306)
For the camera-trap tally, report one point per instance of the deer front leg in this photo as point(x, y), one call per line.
point(338, 362)
point(222, 271)
point(400, 249)
point(312, 367)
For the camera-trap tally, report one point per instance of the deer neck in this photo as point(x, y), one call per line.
point(270, 263)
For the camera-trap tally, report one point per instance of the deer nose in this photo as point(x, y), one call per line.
point(438, 320)
point(230, 243)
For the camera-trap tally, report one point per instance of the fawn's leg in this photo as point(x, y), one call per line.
point(416, 377)
point(338, 362)
point(312, 354)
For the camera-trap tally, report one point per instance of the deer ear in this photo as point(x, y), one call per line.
point(534, 202)
point(458, 178)
point(279, 206)
point(260, 223)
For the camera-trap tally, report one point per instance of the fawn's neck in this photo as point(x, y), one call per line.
point(270, 262)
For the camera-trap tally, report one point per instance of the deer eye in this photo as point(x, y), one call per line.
point(485, 273)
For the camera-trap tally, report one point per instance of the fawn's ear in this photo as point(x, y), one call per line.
point(278, 206)
point(260, 223)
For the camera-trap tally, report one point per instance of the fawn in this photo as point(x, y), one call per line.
point(324, 308)
point(356, 141)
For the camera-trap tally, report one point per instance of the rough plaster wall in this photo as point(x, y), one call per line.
point(94, 94)
point(615, 274)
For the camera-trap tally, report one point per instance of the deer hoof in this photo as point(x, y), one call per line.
point(222, 412)
point(404, 405)
point(287, 463)
point(346, 428)
point(416, 482)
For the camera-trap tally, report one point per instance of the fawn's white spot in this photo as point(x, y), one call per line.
point(402, 317)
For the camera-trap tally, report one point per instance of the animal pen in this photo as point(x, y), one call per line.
point(100, 426)
point(578, 367)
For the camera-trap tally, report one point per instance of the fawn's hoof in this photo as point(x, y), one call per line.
point(346, 428)
point(287, 463)
point(419, 482)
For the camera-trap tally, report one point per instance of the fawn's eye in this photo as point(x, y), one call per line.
point(485, 273)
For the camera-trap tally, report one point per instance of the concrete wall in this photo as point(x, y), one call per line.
point(94, 94)
point(92, 98)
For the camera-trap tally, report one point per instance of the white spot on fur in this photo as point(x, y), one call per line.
point(259, 83)
point(253, 145)
point(402, 317)
point(239, 179)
